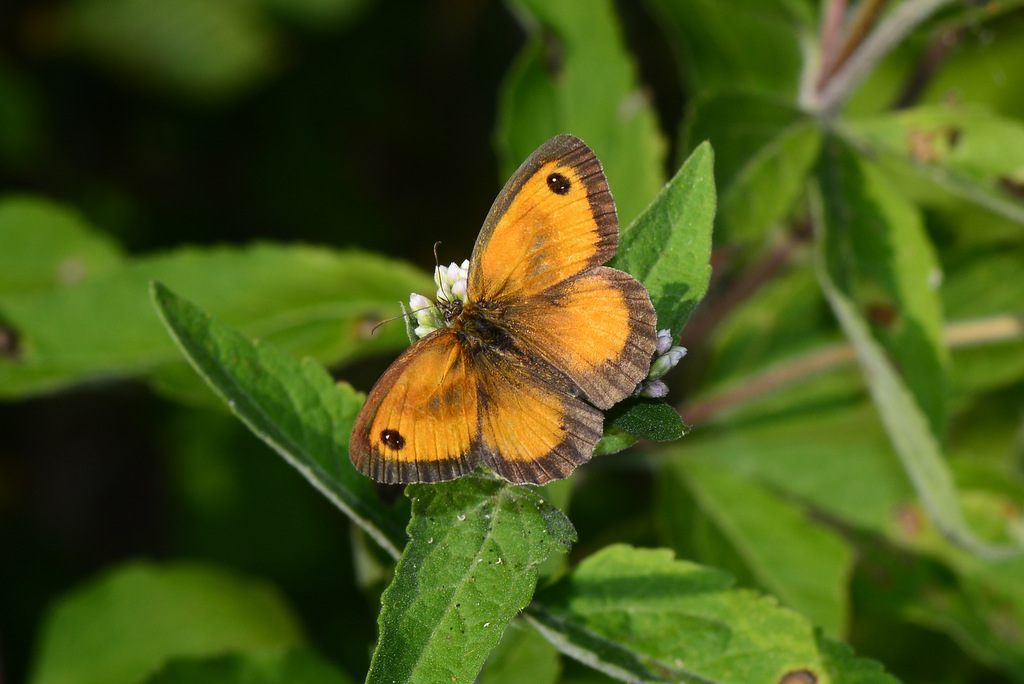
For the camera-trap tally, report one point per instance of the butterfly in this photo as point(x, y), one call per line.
point(546, 338)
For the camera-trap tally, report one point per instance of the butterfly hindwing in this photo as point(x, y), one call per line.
point(609, 317)
point(533, 427)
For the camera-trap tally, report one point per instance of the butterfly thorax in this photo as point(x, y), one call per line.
point(478, 326)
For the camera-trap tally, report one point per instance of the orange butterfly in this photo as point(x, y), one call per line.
point(546, 337)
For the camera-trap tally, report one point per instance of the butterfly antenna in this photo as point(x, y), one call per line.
point(437, 269)
point(395, 318)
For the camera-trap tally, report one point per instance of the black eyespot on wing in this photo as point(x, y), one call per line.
point(392, 439)
point(559, 184)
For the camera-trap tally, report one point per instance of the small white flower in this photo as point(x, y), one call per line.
point(428, 317)
point(452, 281)
point(452, 286)
point(654, 388)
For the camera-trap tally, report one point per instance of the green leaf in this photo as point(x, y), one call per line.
point(469, 568)
point(763, 153)
point(295, 407)
point(551, 88)
point(252, 668)
point(639, 615)
point(128, 623)
point(647, 419)
point(750, 45)
point(881, 255)
point(816, 443)
point(906, 425)
point(522, 655)
point(45, 246)
point(637, 418)
point(942, 154)
point(668, 247)
point(310, 301)
point(208, 52)
point(804, 563)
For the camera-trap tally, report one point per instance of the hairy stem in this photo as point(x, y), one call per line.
point(868, 53)
point(969, 333)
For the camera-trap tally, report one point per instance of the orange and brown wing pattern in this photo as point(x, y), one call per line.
point(533, 429)
point(555, 218)
point(597, 328)
point(419, 421)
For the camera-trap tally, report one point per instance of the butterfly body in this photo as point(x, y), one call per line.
point(546, 337)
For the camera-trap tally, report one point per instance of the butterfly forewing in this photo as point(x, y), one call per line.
point(554, 219)
point(538, 262)
point(420, 420)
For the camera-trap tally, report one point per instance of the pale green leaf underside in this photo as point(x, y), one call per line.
point(309, 300)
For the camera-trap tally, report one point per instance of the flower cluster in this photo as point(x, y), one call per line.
point(666, 356)
point(451, 283)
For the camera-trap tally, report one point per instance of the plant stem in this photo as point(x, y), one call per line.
point(969, 333)
point(870, 52)
point(707, 318)
point(867, 14)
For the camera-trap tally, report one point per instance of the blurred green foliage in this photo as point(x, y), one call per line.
point(855, 377)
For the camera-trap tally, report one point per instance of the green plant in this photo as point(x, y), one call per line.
point(855, 378)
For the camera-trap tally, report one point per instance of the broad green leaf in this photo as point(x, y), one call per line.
point(45, 246)
point(985, 283)
point(552, 89)
point(128, 623)
point(906, 425)
point(963, 152)
point(310, 301)
point(815, 443)
point(750, 45)
point(252, 668)
point(881, 256)
point(985, 66)
point(295, 407)
point(640, 615)
point(668, 247)
point(522, 655)
point(469, 568)
point(805, 564)
point(763, 153)
point(975, 601)
point(209, 52)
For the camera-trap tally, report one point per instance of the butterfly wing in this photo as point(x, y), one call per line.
point(533, 427)
point(419, 422)
point(537, 266)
